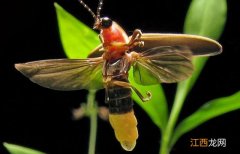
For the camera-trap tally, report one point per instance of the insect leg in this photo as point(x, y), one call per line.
point(135, 39)
point(137, 33)
point(128, 85)
point(100, 38)
point(144, 99)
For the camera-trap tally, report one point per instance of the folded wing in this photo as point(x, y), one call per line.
point(199, 45)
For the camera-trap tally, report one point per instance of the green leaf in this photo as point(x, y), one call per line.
point(206, 18)
point(208, 111)
point(156, 108)
point(16, 149)
point(78, 40)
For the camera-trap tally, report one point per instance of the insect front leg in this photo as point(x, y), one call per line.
point(135, 39)
point(128, 85)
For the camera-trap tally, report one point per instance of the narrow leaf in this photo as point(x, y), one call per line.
point(156, 108)
point(16, 149)
point(208, 111)
point(78, 40)
point(206, 18)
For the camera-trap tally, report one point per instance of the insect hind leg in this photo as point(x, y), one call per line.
point(128, 85)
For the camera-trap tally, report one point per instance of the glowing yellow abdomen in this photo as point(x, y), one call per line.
point(125, 128)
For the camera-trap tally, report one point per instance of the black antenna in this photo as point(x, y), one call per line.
point(99, 8)
point(89, 10)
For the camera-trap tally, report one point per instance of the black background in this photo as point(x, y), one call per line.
point(41, 118)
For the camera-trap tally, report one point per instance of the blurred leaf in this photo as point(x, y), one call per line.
point(16, 149)
point(78, 40)
point(156, 108)
point(208, 111)
point(206, 18)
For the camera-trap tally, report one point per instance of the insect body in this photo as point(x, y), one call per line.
point(155, 58)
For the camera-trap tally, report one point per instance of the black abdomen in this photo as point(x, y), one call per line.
point(119, 99)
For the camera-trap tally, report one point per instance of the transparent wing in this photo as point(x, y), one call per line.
point(200, 46)
point(97, 52)
point(164, 64)
point(64, 74)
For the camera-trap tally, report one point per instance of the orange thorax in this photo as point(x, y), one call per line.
point(115, 41)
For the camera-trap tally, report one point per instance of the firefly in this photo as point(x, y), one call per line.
point(155, 58)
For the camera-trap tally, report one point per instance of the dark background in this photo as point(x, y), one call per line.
point(41, 118)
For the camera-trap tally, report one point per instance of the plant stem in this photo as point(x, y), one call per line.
point(177, 106)
point(92, 110)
